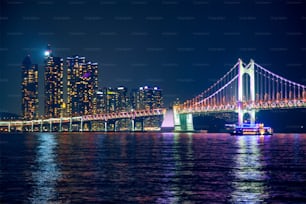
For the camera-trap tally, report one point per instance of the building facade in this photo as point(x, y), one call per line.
point(54, 74)
point(110, 100)
point(82, 84)
point(29, 89)
point(122, 99)
point(146, 98)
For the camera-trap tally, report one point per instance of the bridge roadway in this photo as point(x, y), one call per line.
point(233, 107)
point(40, 125)
point(56, 124)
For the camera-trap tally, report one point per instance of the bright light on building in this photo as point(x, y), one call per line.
point(54, 72)
point(82, 77)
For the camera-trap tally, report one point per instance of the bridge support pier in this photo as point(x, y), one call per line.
point(132, 125)
point(241, 113)
point(60, 125)
point(41, 125)
point(50, 128)
point(182, 122)
point(252, 116)
point(142, 125)
point(81, 129)
point(105, 126)
point(114, 125)
point(32, 126)
point(70, 125)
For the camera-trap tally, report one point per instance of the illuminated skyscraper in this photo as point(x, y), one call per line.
point(54, 70)
point(157, 98)
point(29, 89)
point(101, 101)
point(147, 98)
point(82, 84)
point(111, 100)
point(122, 99)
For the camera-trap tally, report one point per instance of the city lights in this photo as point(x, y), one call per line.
point(84, 97)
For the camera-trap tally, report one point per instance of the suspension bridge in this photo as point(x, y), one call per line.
point(244, 89)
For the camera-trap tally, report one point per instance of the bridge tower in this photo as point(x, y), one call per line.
point(249, 70)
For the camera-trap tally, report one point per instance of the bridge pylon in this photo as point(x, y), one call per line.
point(249, 70)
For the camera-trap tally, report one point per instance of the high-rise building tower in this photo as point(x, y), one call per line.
point(111, 100)
point(147, 98)
point(29, 89)
point(122, 99)
point(82, 84)
point(54, 70)
point(158, 100)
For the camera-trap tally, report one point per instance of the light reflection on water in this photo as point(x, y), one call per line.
point(152, 168)
point(169, 169)
point(249, 177)
point(177, 168)
point(46, 172)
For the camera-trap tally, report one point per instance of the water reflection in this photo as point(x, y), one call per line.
point(177, 162)
point(152, 168)
point(46, 172)
point(249, 177)
point(168, 194)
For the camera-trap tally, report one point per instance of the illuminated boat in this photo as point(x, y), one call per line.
point(252, 129)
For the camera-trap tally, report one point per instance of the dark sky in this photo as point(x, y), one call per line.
point(181, 46)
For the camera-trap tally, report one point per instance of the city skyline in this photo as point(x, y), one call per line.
point(71, 89)
point(234, 92)
point(180, 46)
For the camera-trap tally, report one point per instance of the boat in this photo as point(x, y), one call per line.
point(252, 129)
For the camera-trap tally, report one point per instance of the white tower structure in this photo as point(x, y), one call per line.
point(249, 70)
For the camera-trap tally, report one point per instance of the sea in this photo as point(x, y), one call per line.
point(147, 167)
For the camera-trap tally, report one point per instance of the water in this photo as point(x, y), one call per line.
point(152, 168)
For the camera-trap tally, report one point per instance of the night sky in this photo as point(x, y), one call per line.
point(180, 46)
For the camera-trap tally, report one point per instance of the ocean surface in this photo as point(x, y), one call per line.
point(152, 168)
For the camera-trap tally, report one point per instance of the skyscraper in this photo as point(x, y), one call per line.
point(54, 71)
point(122, 99)
point(147, 98)
point(111, 100)
point(158, 100)
point(82, 84)
point(101, 100)
point(29, 89)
